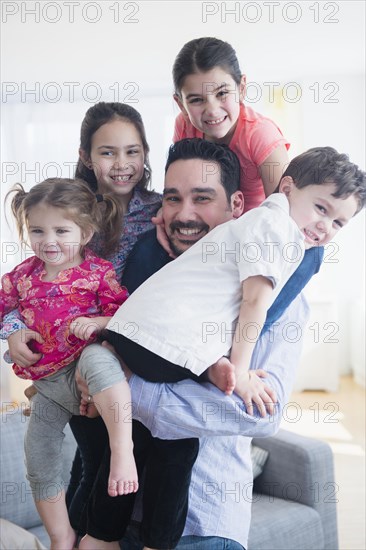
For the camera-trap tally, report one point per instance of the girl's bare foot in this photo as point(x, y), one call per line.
point(123, 477)
point(222, 375)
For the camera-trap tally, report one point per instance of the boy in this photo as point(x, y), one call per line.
point(220, 289)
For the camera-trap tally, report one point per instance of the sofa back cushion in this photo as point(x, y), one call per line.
point(16, 502)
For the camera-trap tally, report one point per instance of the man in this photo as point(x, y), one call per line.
point(200, 192)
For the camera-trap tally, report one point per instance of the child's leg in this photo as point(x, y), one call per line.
point(108, 517)
point(114, 405)
point(43, 449)
point(111, 395)
point(56, 521)
point(169, 465)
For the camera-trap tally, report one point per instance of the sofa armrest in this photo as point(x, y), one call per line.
point(16, 503)
point(301, 469)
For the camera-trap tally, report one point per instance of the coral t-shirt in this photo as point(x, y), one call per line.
point(254, 139)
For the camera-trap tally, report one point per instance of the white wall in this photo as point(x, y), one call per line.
point(310, 53)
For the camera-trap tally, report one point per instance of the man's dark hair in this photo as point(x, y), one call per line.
point(221, 155)
point(322, 165)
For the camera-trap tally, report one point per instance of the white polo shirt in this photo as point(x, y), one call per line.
point(187, 312)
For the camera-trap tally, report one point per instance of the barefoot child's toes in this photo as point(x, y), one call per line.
point(128, 487)
point(123, 477)
point(120, 487)
point(112, 488)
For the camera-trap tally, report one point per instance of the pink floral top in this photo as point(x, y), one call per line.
point(48, 307)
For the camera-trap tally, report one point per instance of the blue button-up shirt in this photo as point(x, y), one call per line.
point(221, 488)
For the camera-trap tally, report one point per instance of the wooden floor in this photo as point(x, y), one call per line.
point(339, 418)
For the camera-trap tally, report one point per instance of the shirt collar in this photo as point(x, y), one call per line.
point(280, 200)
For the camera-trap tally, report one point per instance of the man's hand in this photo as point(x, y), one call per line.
point(85, 327)
point(250, 387)
point(18, 349)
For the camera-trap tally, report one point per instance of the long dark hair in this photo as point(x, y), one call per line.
point(202, 55)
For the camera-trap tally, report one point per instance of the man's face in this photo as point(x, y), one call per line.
point(194, 202)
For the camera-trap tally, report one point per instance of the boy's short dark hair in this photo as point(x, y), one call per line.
point(321, 165)
point(197, 148)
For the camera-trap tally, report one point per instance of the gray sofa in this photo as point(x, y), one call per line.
point(294, 501)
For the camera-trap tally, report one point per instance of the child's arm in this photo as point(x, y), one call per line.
point(110, 296)
point(257, 293)
point(233, 374)
point(272, 168)
point(9, 298)
point(18, 335)
point(12, 322)
point(19, 352)
point(13, 329)
point(85, 327)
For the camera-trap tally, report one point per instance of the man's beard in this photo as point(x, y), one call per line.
point(202, 227)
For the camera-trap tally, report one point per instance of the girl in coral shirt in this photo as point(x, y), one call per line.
point(209, 90)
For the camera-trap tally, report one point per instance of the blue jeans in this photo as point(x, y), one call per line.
point(208, 543)
point(131, 541)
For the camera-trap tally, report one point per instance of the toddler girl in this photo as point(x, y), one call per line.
point(67, 294)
